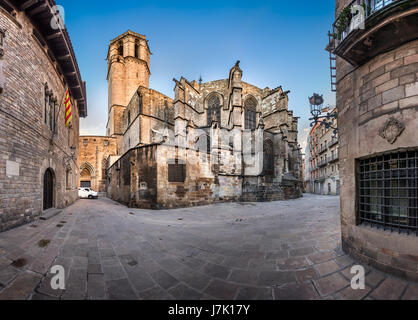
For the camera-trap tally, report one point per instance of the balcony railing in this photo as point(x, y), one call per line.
point(347, 22)
point(333, 143)
point(323, 162)
point(334, 157)
point(322, 149)
point(369, 22)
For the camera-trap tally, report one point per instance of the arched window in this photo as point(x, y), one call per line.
point(268, 158)
point(120, 48)
point(214, 109)
point(250, 107)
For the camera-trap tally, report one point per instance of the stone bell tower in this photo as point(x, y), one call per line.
point(128, 62)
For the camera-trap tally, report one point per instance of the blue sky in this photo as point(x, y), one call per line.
point(278, 43)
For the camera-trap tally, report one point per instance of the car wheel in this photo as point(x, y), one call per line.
point(90, 197)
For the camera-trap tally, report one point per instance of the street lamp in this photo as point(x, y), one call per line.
point(316, 102)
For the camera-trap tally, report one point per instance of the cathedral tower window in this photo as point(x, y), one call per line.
point(214, 109)
point(120, 48)
point(129, 118)
point(136, 49)
point(250, 107)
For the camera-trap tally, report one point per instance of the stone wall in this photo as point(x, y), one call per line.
point(367, 96)
point(27, 146)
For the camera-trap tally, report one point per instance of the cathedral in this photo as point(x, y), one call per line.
point(223, 140)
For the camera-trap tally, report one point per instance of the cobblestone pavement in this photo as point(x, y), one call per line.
point(277, 250)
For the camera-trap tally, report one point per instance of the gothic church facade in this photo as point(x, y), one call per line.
point(224, 140)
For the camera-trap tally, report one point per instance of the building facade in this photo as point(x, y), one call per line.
point(223, 140)
point(38, 153)
point(324, 166)
point(377, 99)
point(94, 152)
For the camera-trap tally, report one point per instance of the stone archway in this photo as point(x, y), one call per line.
point(87, 176)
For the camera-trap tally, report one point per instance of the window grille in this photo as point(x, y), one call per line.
point(387, 191)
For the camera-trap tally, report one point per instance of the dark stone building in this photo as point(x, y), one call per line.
point(38, 153)
point(377, 100)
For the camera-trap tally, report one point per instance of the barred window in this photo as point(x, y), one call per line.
point(250, 107)
point(214, 109)
point(387, 191)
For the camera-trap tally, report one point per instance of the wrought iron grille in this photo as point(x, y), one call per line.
point(387, 195)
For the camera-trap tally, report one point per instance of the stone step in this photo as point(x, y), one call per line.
point(48, 214)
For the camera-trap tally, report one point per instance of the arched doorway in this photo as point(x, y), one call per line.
point(85, 178)
point(48, 189)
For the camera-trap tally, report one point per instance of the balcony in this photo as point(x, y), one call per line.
point(334, 158)
point(385, 25)
point(333, 143)
point(322, 163)
point(322, 149)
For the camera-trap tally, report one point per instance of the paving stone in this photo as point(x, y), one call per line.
point(164, 279)
point(7, 274)
point(183, 292)
point(331, 284)
point(96, 288)
point(120, 290)
point(216, 271)
point(252, 293)
point(351, 294)
point(326, 268)
point(155, 293)
point(94, 268)
point(374, 278)
point(411, 292)
point(192, 278)
point(344, 261)
point(301, 252)
point(244, 277)
point(296, 291)
point(22, 287)
point(306, 275)
point(221, 290)
point(114, 272)
point(389, 289)
point(293, 263)
point(274, 278)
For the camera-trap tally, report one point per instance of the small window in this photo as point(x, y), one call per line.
point(136, 50)
point(129, 118)
point(106, 143)
point(120, 48)
point(176, 172)
point(85, 142)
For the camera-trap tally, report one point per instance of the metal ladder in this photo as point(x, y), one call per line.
point(332, 62)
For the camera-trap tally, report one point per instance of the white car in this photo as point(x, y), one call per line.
point(87, 193)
